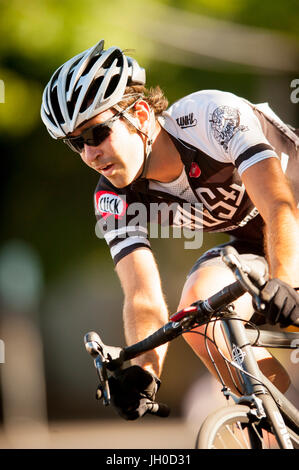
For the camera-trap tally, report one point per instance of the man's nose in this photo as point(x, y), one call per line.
point(91, 153)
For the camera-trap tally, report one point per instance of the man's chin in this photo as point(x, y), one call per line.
point(120, 182)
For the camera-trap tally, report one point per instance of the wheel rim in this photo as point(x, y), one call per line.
point(235, 427)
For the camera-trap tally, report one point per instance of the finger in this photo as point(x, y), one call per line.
point(269, 291)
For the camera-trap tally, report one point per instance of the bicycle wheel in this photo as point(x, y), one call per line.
point(234, 427)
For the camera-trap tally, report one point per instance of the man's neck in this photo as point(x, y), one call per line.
point(165, 163)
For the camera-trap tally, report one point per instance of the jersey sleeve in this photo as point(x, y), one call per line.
point(121, 219)
point(235, 133)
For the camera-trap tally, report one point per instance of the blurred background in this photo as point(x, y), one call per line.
point(56, 277)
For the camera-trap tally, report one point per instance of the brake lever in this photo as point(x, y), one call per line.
point(103, 378)
point(251, 280)
point(105, 358)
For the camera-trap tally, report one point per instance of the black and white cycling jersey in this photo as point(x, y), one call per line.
point(218, 135)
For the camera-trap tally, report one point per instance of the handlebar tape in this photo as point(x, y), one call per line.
point(227, 295)
point(168, 332)
point(173, 329)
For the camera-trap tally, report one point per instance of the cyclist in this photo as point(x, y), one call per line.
point(236, 159)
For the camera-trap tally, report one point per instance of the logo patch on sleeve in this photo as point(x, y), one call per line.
point(110, 204)
point(225, 123)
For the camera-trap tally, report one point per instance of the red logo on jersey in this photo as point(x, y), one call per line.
point(195, 171)
point(109, 203)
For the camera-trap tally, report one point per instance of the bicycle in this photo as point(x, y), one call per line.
point(261, 417)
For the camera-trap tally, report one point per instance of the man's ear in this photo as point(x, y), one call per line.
point(142, 112)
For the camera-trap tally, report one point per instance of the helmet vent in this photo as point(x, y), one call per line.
point(90, 95)
point(71, 104)
point(68, 81)
point(56, 107)
point(117, 54)
point(112, 86)
point(88, 67)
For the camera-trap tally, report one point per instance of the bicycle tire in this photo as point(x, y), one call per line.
point(234, 427)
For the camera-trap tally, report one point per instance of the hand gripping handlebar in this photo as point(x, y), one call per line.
point(110, 358)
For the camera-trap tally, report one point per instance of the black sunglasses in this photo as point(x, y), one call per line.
point(92, 136)
point(95, 135)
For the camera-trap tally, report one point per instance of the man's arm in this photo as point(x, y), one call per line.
point(145, 309)
point(270, 192)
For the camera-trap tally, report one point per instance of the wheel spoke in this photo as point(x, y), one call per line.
point(234, 435)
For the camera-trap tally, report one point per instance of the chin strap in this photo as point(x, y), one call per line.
point(149, 141)
point(147, 155)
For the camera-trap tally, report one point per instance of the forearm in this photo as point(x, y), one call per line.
point(282, 244)
point(272, 194)
point(142, 318)
point(145, 308)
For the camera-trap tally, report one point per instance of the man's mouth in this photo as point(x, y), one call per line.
point(105, 169)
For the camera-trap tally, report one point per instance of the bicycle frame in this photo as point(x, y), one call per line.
point(266, 403)
point(256, 388)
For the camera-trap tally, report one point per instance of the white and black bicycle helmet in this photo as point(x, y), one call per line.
point(86, 85)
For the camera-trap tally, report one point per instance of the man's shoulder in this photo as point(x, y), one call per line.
point(194, 113)
point(203, 98)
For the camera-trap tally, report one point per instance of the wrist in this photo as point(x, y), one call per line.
point(151, 371)
point(149, 368)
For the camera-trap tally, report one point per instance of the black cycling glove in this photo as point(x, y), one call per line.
point(282, 303)
point(131, 390)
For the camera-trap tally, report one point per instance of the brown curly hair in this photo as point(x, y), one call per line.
point(153, 96)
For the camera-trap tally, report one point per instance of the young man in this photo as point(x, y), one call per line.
point(226, 164)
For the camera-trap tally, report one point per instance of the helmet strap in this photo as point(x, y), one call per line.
point(148, 142)
point(147, 157)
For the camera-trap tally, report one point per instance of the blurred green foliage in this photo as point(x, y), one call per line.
point(46, 192)
point(269, 14)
